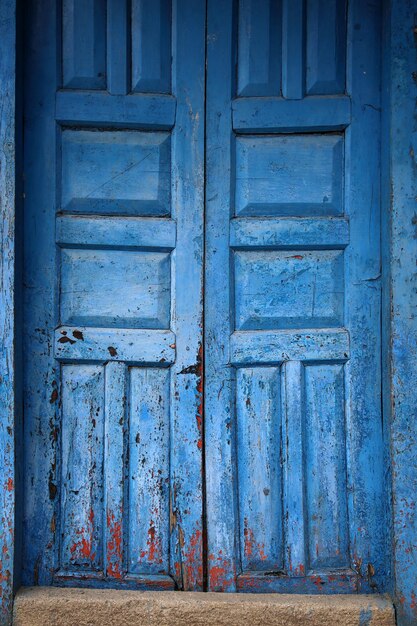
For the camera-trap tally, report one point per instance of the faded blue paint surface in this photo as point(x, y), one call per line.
point(113, 285)
point(295, 444)
point(7, 305)
point(294, 439)
point(403, 304)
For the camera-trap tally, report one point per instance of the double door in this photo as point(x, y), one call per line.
point(202, 295)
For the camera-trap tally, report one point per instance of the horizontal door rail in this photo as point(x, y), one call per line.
point(278, 115)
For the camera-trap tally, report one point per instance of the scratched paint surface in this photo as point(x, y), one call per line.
point(114, 415)
point(401, 196)
point(8, 427)
point(294, 454)
point(113, 275)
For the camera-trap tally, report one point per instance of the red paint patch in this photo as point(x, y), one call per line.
point(10, 484)
point(114, 546)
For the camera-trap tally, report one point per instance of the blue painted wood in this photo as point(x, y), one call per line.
point(259, 48)
point(9, 427)
point(151, 46)
point(298, 175)
point(152, 347)
point(89, 108)
point(325, 460)
point(314, 309)
point(401, 296)
point(84, 44)
point(293, 49)
point(186, 499)
point(140, 279)
point(259, 468)
point(365, 443)
point(277, 115)
point(115, 172)
point(293, 435)
point(276, 346)
point(118, 47)
point(113, 330)
point(148, 471)
point(115, 400)
point(325, 47)
point(82, 231)
point(81, 486)
point(42, 396)
point(289, 233)
point(220, 426)
point(275, 289)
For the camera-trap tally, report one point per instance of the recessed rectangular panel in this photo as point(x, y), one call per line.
point(294, 289)
point(122, 172)
point(297, 175)
point(325, 466)
point(149, 471)
point(82, 467)
point(259, 468)
point(259, 48)
point(113, 288)
point(151, 46)
point(84, 44)
point(326, 46)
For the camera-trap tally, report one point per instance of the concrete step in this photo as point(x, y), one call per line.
point(51, 606)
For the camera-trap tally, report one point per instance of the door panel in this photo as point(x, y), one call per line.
point(114, 188)
point(294, 444)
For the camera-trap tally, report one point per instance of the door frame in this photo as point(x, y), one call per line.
point(399, 327)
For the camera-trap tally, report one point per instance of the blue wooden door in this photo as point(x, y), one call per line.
point(114, 188)
point(294, 432)
point(137, 114)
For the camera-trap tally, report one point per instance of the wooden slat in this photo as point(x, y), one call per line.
point(84, 44)
point(114, 421)
point(156, 112)
point(118, 47)
point(262, 115)
point(115, 232)
point(258, 418)
point(290, 233)
point(293, 467)
point(293, 44)
point(149, 466)
point(276, 346)
point(105, 344)
point(82, 448)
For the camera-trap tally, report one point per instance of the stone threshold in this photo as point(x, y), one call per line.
point(52, 606)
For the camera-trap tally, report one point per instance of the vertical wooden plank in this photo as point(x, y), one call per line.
point(42, 376)
point(114, 466)
point(149, 435)
point(293, 467)
point(326, 46)
point(365, 442)
point(151, 46)
point(401, 393)
point(7, 306)
point(118, 46)
point(259, 48)
point(293, 49)
point(187, 280)
point(84, 44)
point(259, 468)
point(222, 514)
point(325, 467)
point(82, 467)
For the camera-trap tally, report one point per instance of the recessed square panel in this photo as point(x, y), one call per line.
point(294, 289)
point(293, 175)
point(113, 288)
point(116, 172)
